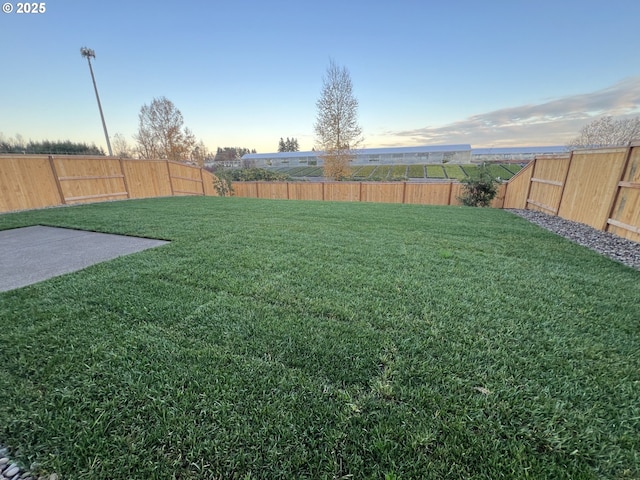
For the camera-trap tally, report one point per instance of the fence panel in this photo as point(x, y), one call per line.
point(591, 185)
point(245, 189)
point(272, 190)
point(147, 178)
point(208, 180)
point(26, 183)
point(185, 179)
point(342, 191)
point(306, 191)
point(624, 219)
point(517, 188)
point(435, 194)
point(547, 183)
point(382, 192)
point(90, 179)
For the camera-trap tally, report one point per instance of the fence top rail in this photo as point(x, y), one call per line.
point(620, 149)
point(45, 156)
point(559, 156)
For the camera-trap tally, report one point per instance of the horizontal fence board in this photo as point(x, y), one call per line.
point(189, 179)
point(619, 224)
point(94, 197)
point(542, 206)
point(548, 182)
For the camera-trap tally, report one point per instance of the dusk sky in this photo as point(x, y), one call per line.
point(245, 73)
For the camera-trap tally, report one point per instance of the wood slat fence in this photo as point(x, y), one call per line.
point(599, 187)
point(38, 181)
point(432, 193)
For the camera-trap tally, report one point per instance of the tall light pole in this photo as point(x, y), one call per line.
point(88, 53)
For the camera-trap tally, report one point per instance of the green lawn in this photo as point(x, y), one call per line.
point(399, 172)
point(416, 171)
point(455, 172)
point(320, 340)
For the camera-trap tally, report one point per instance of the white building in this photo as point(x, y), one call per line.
point(437, 154)
point(426, 154)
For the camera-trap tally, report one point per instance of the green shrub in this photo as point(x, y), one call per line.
point(257, 174)
point(479, 189)
point(222, 183)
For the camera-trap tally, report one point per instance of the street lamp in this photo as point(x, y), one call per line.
point(88, 53)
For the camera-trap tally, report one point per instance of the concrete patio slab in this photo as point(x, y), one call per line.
point(32, 254)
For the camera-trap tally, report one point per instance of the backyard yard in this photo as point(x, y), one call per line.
point(321, 340)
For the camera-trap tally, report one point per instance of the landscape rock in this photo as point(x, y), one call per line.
point(616, 248)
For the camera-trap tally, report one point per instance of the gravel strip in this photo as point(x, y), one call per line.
point(11, 471)
point(616, 248)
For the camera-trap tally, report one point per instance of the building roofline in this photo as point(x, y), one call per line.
point(366, 151)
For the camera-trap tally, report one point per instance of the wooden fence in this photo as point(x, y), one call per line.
point(38, 181)
point(600, 188)
point(432, 193)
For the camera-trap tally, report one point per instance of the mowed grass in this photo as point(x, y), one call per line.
point(283, 339)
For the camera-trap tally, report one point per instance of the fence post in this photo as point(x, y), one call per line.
point(404, 192)
point(54, 172)
point(533, 170)
point(323, 185)
point(564, 182)
point(202, 180)
point(288, 196)
point(124, 179)
point(614, 197)
point(450, 192)
point(166, 162)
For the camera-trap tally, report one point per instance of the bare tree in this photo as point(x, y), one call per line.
point(607, 132)
point(199, 154)
point(121, 147)
point(337, 130)
point(161, 133)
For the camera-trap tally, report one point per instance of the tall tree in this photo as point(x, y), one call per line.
point(607, 132)
point(227, 154)
point(161, 132)
point(292, 145)
point(337, 130)
point(288, 145)
point(200, 154)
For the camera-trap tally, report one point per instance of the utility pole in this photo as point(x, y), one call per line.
point(88, 53)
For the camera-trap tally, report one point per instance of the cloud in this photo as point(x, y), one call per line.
point(553, 122)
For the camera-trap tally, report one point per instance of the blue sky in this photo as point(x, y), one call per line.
point(245, 73)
